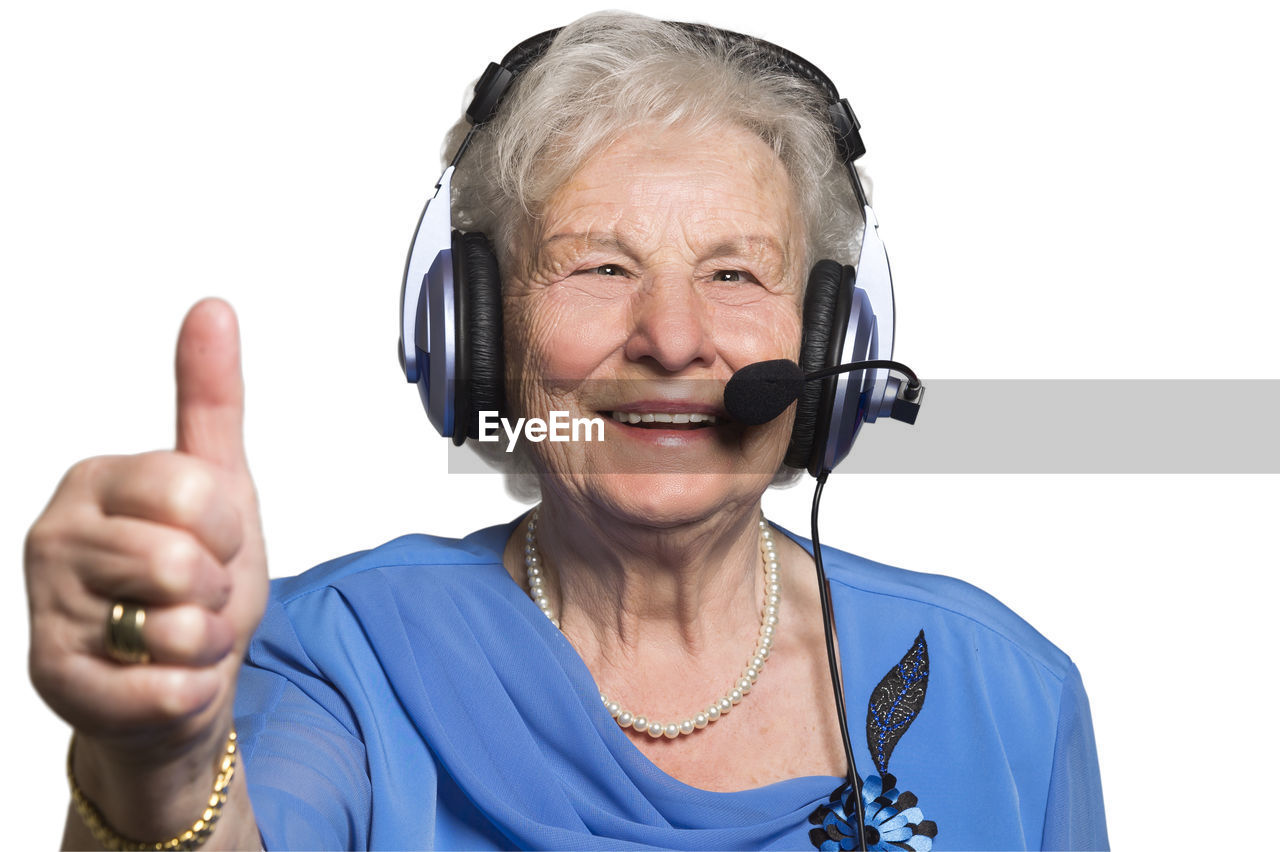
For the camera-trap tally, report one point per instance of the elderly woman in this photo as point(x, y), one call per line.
point(640, 661)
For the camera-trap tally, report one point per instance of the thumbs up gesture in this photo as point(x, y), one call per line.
point(175, 534)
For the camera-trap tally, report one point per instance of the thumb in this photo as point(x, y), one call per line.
point(210, 387)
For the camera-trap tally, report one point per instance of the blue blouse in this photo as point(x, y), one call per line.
point(414, 697)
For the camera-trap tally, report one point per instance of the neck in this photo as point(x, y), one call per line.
point(620, 586)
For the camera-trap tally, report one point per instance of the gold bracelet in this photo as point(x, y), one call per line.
point(193, 838)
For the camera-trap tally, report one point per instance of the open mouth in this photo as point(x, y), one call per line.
point(681, 421)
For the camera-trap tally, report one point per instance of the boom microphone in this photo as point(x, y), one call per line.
point(760, 392)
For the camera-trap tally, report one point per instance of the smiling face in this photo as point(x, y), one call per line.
point(667, 262)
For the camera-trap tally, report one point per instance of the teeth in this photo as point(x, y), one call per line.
point(662, 417)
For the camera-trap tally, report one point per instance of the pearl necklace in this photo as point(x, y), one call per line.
point(536, 573)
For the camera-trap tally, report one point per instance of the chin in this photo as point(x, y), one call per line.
point(673, 499)
point(667, 478)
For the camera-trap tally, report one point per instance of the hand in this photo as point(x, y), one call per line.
point(175, 531)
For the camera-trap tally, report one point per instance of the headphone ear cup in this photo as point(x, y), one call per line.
point(481, 384)
point(820, 298)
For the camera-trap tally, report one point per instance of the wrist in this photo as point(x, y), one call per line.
point(127, 804)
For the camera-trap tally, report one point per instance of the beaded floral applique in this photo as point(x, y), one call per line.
point(892, 820)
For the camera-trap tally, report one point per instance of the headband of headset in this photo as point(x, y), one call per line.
point(498, 77)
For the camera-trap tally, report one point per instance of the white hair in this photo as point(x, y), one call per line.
point(608, 73)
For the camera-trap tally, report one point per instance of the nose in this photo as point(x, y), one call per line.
point(671, 324)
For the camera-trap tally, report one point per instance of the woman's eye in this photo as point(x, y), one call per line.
point(731, 276)
point(606, 269)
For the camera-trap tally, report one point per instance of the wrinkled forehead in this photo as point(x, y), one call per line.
point(703, 186)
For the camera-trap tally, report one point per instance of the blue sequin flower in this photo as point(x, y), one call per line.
point(892, 820)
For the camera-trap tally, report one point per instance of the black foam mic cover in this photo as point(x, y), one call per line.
point(760, 392)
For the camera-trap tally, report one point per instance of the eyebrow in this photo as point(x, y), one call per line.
point(748, 245)
point(745, 245)
point(609, 241)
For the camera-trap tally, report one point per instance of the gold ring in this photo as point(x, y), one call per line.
point(124, 633)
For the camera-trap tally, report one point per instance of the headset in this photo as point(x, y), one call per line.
point(451, 301)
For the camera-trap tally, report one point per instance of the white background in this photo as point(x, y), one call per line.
point(1067, 190)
